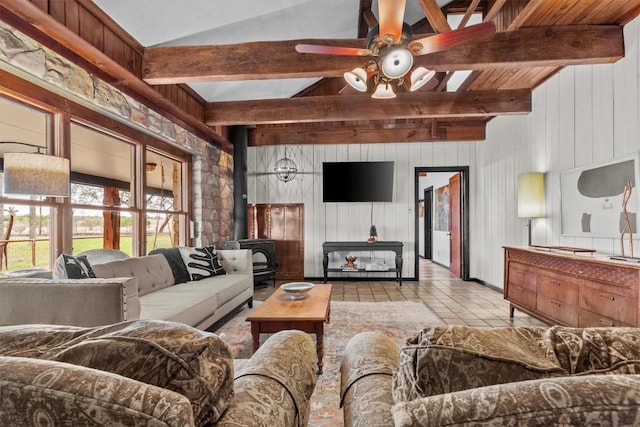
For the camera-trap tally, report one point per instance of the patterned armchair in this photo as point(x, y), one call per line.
point(151, 373)
point(456, 375)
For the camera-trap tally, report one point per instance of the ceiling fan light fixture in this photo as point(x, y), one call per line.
point(357, 79)
point(384, 91)
point(395, 63)
point(419, 77)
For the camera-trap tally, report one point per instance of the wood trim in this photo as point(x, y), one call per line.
point(465, 205)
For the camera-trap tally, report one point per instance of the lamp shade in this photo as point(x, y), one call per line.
point(419, 77)
point(357, 79)
point(396, 63)
point(383, 91)
point(36, 174)
point(531, 195)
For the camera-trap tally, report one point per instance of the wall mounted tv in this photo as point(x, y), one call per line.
point(357, 181)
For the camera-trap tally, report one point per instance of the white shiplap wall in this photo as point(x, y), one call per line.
point(581, 116)
point(350, 221)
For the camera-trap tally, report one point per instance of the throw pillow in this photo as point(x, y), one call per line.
point(177, 357)
point(73, 267)
point(201, 262)
point(174, 258)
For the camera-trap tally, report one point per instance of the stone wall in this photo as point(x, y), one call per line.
point(212, 184)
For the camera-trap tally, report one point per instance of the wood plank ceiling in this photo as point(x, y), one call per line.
point(535, 39)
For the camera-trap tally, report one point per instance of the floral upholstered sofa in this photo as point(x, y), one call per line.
point(152, 373)
point(458, 375)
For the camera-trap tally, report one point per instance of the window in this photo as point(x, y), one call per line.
point(25, 229)
point(101, 175)
point(164, 201)
point(128, 189)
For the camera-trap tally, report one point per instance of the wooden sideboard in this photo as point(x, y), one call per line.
point(572, 290)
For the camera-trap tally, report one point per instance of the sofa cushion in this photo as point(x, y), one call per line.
point(177, 357)
point(174, 258)
point(597, 350)
point(73, 267)
point(451, 358)
point(152, 271)
point(565, 401)
point(201, 262)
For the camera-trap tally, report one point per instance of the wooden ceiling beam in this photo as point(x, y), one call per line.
point(526, 47)
point(363, 134)
point(435, 16)
point(361, 107)
point(534, 47)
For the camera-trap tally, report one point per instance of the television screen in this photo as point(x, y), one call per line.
point(357, 181)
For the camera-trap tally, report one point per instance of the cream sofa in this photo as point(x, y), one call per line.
point(151, 373)
point(130, 289)
point(458, 375)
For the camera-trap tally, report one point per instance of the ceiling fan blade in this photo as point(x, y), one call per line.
point(332, 50)
point(391, 18)
point(471, 34)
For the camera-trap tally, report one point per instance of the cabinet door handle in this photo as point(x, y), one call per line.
point(555, 303)
point(609, 297)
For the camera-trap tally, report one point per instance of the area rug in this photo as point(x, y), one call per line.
point(398, 320)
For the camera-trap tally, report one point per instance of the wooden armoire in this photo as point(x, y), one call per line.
point(283, 223)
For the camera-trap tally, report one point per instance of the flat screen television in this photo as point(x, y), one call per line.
point(357, 181)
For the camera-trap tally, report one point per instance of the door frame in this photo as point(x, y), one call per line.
point(428, 222)
point(464, 205)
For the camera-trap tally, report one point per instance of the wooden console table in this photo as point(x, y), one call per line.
point(328, 247)
point(570, 290)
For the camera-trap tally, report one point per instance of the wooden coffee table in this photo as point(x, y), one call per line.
point(279, 313)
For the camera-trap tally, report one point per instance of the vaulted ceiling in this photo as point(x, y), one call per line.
point(239, 57)
point(534, 39)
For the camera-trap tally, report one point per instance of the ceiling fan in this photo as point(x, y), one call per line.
point(391, 48)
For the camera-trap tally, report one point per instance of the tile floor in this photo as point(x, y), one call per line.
point(454, 301)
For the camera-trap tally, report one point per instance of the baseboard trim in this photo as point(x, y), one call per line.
point(488, 285)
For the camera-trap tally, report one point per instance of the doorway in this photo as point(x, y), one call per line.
point(457, 242)
point(427, 211)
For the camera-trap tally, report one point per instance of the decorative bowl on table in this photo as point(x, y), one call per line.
point(296, 290)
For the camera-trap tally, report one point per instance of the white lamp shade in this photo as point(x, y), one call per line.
point(36, 174)
point(419, 77)
point(396, 63)
point(531, 195)
point(357, 79)
point(383, 91)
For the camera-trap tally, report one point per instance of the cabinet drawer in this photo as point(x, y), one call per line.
point(609, 304)
point(522, 295)
point(522, 276)
point(559, 310)
point(588, 319)
point(558, 288)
